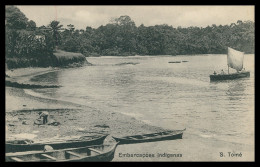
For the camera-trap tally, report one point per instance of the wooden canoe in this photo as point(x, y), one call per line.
point(174, 62)
point(90, 153)
point(12, 146)
point(166, 135)
point(220, 77)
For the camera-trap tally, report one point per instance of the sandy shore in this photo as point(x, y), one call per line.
point(75, 120)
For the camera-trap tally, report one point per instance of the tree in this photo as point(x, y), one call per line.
point(124, 34)
point(14, 18)
point(123, 21)
point(31, 25)
point(15, 21)
point(71, 28)
point(55, 31)
point(21, 39)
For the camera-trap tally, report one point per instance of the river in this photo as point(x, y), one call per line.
point(168, 95)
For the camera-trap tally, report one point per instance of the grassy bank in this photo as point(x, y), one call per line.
point(68, 59)
point(13, 63)
point(58, 59)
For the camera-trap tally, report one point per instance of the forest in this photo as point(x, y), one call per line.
point(120, 37)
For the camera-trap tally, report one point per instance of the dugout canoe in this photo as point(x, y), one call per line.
point(29, 145)
point(174, 62)
point(97, 153)
point(160, 136)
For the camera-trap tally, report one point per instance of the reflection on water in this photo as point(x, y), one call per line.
point(164, 94)
point(236, 90)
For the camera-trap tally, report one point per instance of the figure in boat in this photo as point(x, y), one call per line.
point(222, 72)
point(235, 61)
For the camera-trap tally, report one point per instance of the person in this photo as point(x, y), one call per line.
point(44, 115)
point(214, 73)
point(222, 71)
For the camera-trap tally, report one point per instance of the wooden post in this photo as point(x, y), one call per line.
point(228, 69)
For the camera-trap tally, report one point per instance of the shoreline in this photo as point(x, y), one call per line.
point(75, 119)
point(181, 55)
point(21, 77)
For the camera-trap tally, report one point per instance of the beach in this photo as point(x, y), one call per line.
point(75, 120)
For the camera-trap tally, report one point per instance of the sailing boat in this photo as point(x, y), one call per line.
point(234, 60)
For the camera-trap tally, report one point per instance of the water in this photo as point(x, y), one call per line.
point(169, 95)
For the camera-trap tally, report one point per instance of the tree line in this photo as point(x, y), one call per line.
point(121, 37)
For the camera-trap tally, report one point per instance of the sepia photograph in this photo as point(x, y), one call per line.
point(122, 83)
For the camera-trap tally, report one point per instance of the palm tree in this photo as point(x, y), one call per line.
point(55, 30)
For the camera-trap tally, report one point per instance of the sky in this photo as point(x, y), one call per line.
point(95, 16)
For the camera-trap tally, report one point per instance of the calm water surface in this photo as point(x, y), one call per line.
point(169, 95)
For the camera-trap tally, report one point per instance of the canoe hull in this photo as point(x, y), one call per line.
point(174, 62)
point(106, 157)
point(221, 77)
point(161, 138)
point(40, 146)
point(61, 155)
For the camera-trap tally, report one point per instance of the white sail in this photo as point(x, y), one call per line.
point(235, 59)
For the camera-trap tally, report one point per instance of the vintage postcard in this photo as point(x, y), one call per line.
point(129, 83)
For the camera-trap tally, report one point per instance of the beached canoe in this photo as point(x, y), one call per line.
point(166, 135)
point(90, 153)
point(28, 145)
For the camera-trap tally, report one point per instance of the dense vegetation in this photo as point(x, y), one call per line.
point(21, 44)
point(28, 45)
point(123, 37)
